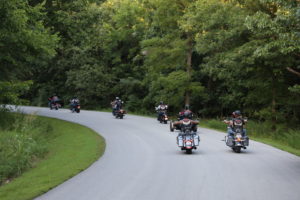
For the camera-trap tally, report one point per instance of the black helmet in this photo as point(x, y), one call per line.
point(161, 102)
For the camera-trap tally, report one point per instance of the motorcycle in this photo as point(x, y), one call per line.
point(120, 113)
point(187, 140)
point(163, 117)
point(237, 141)
point(75, 108)
point(55, 106)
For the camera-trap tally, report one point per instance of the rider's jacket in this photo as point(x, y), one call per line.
point(236, 121)
point(161, 107)
point(74, 101)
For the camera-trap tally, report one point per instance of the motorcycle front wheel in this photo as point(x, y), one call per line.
point(188, 151)
point(237, 149)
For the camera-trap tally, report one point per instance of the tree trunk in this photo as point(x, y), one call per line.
point(189, 68)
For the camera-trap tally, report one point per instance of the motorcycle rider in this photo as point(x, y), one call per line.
point(236, 115)
point(74, 102)
point(53, 100)
point(186, 116)
point(116, 105)
point(161, 109)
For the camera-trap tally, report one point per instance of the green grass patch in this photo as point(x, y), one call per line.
point(283, 138)
point(71, 149)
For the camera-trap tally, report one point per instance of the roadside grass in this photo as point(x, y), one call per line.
point(72, 149)
point(284, 139)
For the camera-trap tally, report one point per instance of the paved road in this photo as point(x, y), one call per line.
point(142, 162)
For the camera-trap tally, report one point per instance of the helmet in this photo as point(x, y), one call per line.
point(161, 102)
point(186, 114)
point(187, 107)
point(117, 98)
point(237, 113)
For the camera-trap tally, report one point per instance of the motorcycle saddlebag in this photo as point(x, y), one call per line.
point(246, 142)
point(196, 140)
point(180, 141)
point(229, 141)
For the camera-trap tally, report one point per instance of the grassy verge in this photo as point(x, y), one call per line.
point(284, 139)
point(71, 149)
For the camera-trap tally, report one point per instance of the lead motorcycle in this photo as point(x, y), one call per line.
point(237, 141)
point(187, 140)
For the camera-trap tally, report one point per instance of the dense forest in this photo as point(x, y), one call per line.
point(215, 55)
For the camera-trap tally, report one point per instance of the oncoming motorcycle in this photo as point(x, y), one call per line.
point(120, 113)
point(163, 117)
point(237, 141)
point(187, 140)
point(75, 108)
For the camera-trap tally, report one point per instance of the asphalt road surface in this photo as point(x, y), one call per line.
point(143, 162)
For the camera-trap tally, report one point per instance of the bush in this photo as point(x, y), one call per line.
point(22, 142)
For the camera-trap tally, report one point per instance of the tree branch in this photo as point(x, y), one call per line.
point(293, 71)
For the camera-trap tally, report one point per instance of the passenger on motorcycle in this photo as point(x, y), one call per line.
point(161, 109)
point(236, 115)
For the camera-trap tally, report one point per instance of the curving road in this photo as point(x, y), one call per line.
point(142, 162)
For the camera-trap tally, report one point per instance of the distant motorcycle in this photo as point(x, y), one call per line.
point(55, 105)
point(163, 117)
point(120, 113)
point(237, 142)
point(187, 140)
point(76, 108)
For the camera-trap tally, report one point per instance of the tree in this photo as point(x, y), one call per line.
point(25, 46)
point(169, 50)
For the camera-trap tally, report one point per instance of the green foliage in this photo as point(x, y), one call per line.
point(24, 39)
point(22, 142)
point(10, 92)
point(216, 55)
point(62, 161)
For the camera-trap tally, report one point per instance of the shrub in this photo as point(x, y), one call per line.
point(22, 141)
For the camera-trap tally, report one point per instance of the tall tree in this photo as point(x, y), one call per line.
point(26, 44)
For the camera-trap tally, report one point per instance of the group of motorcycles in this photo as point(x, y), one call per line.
point(188, 138)
point(56, 105)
